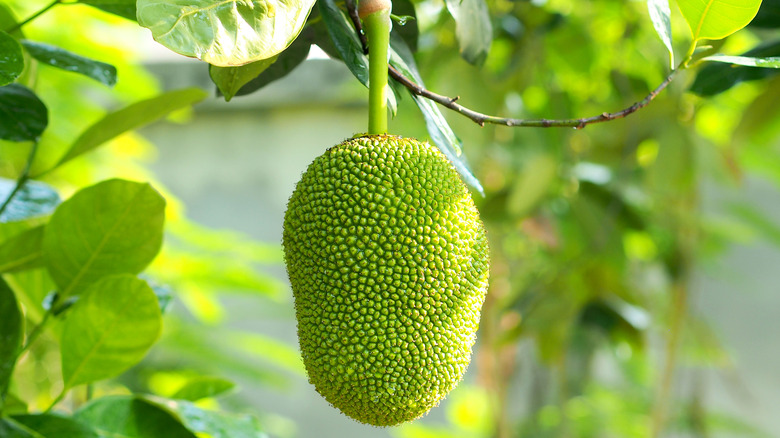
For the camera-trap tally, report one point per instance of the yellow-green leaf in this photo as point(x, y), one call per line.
point(716, 19)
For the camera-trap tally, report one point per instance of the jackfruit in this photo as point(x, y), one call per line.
point(388, 262)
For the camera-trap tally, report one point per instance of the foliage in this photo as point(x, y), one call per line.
point(594, 234)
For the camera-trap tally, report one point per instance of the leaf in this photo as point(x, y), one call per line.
point(285, 63)
point(55, 426)
point(11, 59)
point(230, 79)
point(109, 329)
point(441, 133)
point(225, 32)
point(348, 45)
point(768, 14)
point(716, 78)
point(211, 423)
point(123, 8)
point(130, 417)
point(660, 13)
point(11, 333)
point(34, 199)
point(747, 61)
point(203, 387)
point(23, 251)
point(472, 28)
point(23, 116)
point(11, 429)
point(716, 19)
point(64, 60)
point(114, 227)
point(409, 30)
point(131, 117)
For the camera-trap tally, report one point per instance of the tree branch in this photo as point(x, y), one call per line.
point(481, 119)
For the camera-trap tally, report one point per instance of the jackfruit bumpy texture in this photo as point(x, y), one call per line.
point(388, 262)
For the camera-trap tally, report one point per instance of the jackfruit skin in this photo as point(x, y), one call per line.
point(388, 262)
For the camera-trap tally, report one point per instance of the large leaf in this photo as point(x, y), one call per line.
point(717, 77)
point(131, 117)
point(285, 63)
point(62, 59)
point(11, 333)
point(212, 423)
point(230, 79)
point(123, 8)
point(109, 329)
point(114, 227)
point(472, 28)
point(716, 19)
point(225, 32)
point(442, 135)
point(23, 116)
point(348, 45)
point(55, 426)
point(660, 13)
point(11, 59)
point(203, 387)
point(33, 199)
point(745, 60)
point(23, 251)
point(130, 417)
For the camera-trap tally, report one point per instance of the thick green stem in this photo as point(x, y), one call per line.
point(377, 26)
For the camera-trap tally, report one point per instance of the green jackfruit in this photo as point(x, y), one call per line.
point(388, 262)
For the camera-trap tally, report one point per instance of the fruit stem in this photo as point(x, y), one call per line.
point(376, 22)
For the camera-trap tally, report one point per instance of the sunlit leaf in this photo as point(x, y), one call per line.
point(11, 333)
point(747, 61)
point(11, 59)
point(109, 329)
point(716, 19)
point(660, 13)
point(230, 79)
point(23, 251)
point(285, 63)
point(23, 116)
point(130, 417)
point(123, 8)
point(211, 423)
point(55, 426)
point(34, 199)
point(113, 227)
point(225, 32)
point(131, 117)
point(472, 28)
point(203, 387)
point(64, 60)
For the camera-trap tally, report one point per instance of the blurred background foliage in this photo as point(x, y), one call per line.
point(595, 233)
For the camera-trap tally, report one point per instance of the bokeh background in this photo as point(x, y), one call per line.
point(634, 286)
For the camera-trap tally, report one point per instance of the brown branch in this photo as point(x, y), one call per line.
point(481, 119)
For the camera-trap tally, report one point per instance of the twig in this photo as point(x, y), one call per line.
point(23, 178)
point(481, 119)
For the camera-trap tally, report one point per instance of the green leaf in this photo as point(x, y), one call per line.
point(34, 199)
point(109, 329)
point(285, 63)
point(11, 59)
point(11, 429)
point(212, 423)
point(203, 387)
point(441, 133)
point(130, 417)
point(348, 45)
point(64, 60)
point(718, 77)
point(660, 13)
point(23, 116)
point(114, 227)
point(11, 333)
point(472, 28)
point(131, 117)
point(23, 251)
point(225, 32)
point(230, 79)
point(55, 426)
point(123, 8)
point(747, 61)
point(716, 19)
